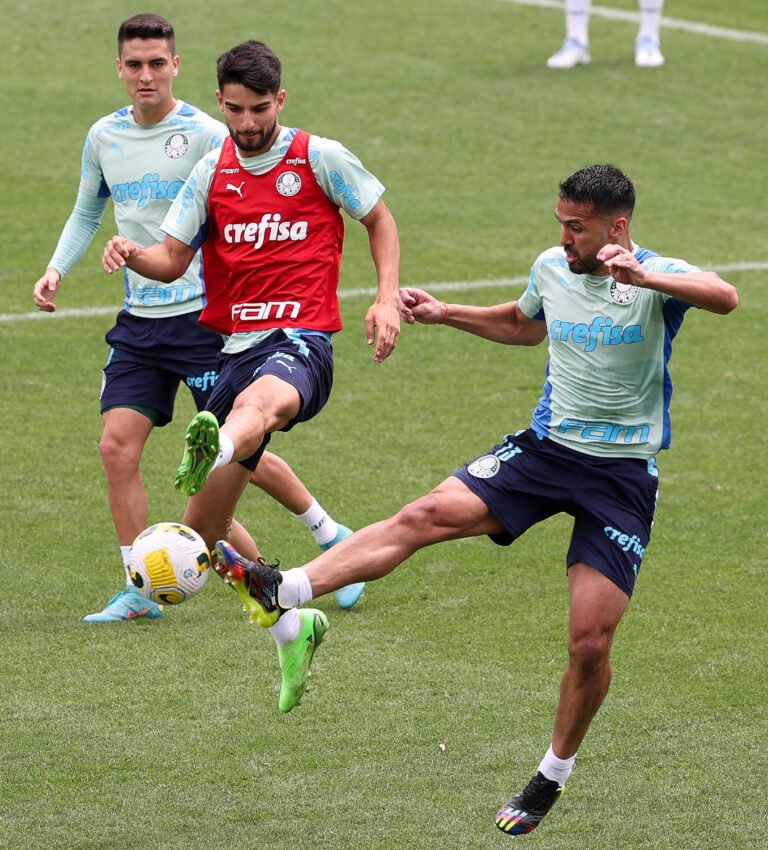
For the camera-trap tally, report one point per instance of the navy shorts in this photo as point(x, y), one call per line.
point(305, 361)
point(528, 478)
point(149, 357)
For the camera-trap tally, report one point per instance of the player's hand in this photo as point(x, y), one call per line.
point(382, 326)
point(622, 265)
point(116, 252)
point(416, 305)
point(45, 290)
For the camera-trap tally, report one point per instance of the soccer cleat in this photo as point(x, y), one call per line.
point(522, 813)
point(129, 604)
point(256, 583)
point(648, 53)
point(200, 452)
point(347, 596)
point(572, 53)
point(296, 657)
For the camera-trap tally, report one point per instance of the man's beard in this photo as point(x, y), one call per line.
point(256, 142)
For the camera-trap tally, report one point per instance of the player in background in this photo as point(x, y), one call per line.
point(140, 156)
point(575, 49)
point(266, 209)
point(610, 311)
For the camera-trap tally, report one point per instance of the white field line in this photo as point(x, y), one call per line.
point(368, 291)
point(669, 23)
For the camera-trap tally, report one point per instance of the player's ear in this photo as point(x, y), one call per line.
point(280, 100)
point(220, 100)
point(176, 62)
point(618, 227)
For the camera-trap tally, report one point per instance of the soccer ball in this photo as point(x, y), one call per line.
point(169, 563)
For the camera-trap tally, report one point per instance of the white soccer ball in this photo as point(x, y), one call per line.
point(169, 563)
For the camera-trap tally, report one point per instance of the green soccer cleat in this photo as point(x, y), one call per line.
point(254, 581)
point(296, 657)
point(200, 453)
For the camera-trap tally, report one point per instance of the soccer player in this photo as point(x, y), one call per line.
point(610, 311)
point(266, 210)
point(575, 49)
point(140, 156)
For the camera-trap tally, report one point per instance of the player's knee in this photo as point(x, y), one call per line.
point(590, 649)
point(116, 453)
point(419, 519)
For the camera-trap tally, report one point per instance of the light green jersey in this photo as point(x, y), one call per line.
point(608, 389)
point(142, 168)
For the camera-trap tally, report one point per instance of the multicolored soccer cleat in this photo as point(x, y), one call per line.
point(347, 596)
point(522, 813)
point(200, 452)
point(256, 583)
point(129, 604)
point(296, 657)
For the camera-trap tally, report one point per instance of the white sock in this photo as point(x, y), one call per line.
point(577, 20)
point(125, 551)
point(555, 769)
point(226, 450)
point(322, 526)
point(294, 589)
point(650, 19)
point(287, 627)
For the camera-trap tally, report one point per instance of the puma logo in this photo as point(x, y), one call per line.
point(239, 189)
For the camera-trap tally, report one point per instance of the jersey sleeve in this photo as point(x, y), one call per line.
point(85, 218)
point(187, 219)
point(530, 302)
point(343, 178)
point(78, 232)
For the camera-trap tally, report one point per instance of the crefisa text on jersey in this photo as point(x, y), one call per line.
point(271, 228)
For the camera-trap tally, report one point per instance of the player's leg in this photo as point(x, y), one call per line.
point(596, 608)
point(278, 480)
point(294, 375)
point(210, 512)
point(648, 43)
point(266, 405)
point(122, 442)
point(448, 512)
point(575, 49)
point(137, 394)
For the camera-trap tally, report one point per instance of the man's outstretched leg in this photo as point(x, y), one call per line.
point(596, 608)
point(450, 511)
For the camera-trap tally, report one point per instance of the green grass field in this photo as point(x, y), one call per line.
point(166, 734)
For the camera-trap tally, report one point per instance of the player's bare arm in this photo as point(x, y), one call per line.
point(45, 290)
point(703, 289)
point(382, 321)
point(505, 323)
point(166, 261)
